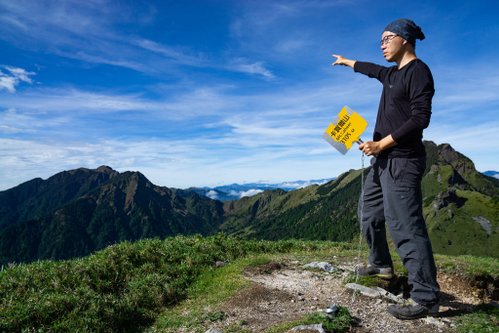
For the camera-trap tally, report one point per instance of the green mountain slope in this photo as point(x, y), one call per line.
point(461, 204)
point(77, 212)
point(461, 208)
point(326, 212)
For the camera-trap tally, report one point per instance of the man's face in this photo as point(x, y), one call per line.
point(391, 45)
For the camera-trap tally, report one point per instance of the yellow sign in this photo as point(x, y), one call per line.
point(346, 130)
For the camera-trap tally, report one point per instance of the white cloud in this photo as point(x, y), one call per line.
point(12, 77)
point(250, 193)
point(8, 83)
point(212, 194)
point(258, 68)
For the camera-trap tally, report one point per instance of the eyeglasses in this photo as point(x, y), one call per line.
point(387, 39)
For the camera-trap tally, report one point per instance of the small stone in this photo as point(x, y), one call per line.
point(389, 296)
point(325, 266)
point(433, 321)
point(316, 327)
point(220, 264)
point(366, 291)
point(213, 330)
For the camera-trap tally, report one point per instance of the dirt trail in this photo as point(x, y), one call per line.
point(284, 292)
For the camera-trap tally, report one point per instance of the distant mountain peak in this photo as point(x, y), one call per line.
point(448, 153)
point(106, 169)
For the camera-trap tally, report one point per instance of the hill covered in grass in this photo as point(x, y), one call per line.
point(180, 284)
point(119, 289)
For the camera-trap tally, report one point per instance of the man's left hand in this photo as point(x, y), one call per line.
point(371, 148)
point(375, 147)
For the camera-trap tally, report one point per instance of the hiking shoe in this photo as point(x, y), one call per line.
point(412, 310)
point(370, 270)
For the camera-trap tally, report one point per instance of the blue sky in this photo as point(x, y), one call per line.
point(205, 93)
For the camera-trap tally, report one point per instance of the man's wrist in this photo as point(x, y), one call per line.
point(387, 142)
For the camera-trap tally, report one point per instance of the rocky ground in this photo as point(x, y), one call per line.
point(283, 292)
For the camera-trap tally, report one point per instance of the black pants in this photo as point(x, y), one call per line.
point(392, 194)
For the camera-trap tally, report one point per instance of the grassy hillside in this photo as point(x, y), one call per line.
point(461, 205)
point(468, 227)
point(130, 286)
point(119, 289)
point(326, 212)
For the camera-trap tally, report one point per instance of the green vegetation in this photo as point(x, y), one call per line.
point(447, 225)
point(213, 287)
point(160, 286)
point(483, 320)
point(368, 281)
point(326, 212)
point(122, 288)
point(340, 323)
point(468, 266)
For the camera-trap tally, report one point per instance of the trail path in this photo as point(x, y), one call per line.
point(284, 292)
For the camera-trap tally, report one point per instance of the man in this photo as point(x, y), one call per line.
point(392, 191)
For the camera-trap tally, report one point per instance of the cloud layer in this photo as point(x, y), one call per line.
point(233, 92)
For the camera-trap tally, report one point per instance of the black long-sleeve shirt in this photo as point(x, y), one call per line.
point(405, 105)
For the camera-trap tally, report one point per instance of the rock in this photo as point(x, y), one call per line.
point(220, 263)
point(332, 311)
point(433, 321)
point(389, 296)
point(366, 291)
point(213, 330)
point(375, 292)
point(316, 327)
point(325, 266)
point(445, 198)
point(484, 223)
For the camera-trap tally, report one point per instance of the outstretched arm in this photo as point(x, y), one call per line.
point(340, 60)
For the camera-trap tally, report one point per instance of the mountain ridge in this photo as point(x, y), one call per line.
point(83, 216)
point(76, 212)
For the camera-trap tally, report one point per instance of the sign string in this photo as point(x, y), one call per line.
point(359, 250)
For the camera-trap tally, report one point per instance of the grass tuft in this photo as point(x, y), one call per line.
point(342, 322)
point(483, 320)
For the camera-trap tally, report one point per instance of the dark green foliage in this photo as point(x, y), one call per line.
point(342, 322)
point(119, 289)
point(329, 212)
point(33, 199)
point(74, 213)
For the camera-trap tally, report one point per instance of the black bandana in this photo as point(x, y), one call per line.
point(406, 29)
